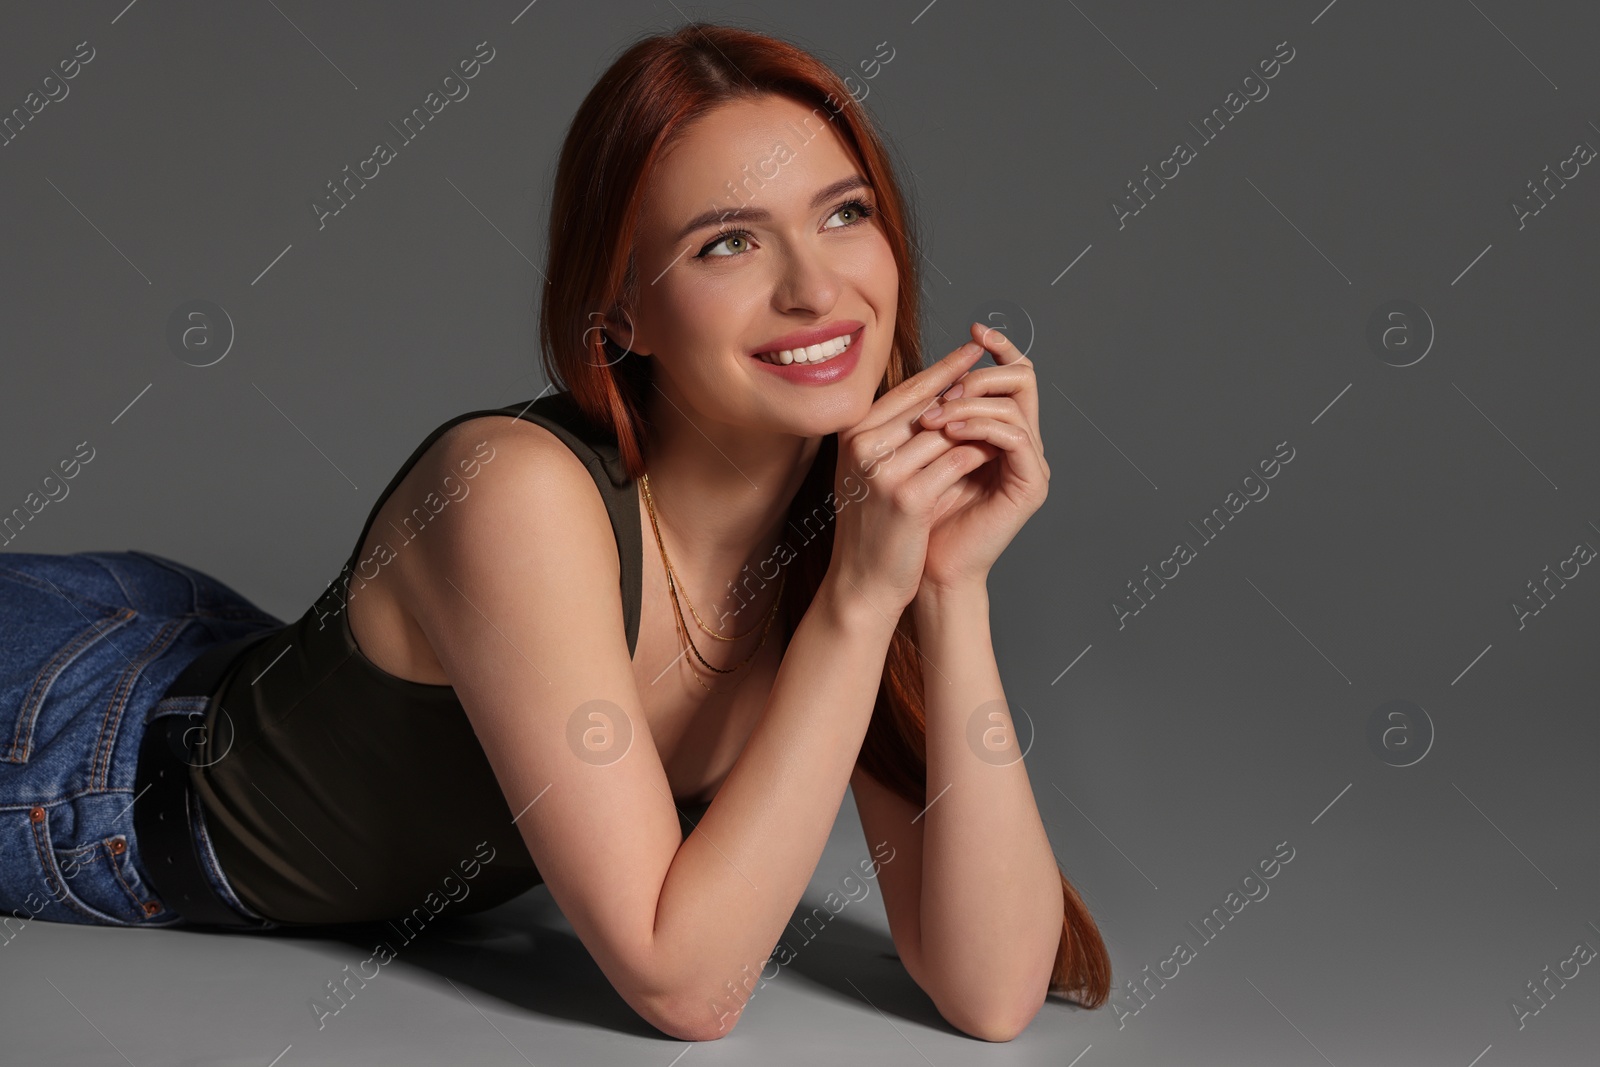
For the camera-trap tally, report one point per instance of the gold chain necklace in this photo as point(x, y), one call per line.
point(682, 626)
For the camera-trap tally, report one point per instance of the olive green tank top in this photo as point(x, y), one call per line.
point(341, 793)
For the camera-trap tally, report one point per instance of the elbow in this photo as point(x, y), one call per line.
point(996, 1006)
point(989, 1019)
point(1001, 1025)
point(693, 1031)
point(687, 1018)
point(669, 991)
point(689, 1024)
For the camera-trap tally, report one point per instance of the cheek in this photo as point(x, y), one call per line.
point(878, 280)
point(697, 312)
point(677, 299)
point(875, 273)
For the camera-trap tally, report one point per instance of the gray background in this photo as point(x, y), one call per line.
point(1177, 351)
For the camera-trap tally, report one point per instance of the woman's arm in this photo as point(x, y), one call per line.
point(974, 895)
point(977, 907)
point(516, 591)
point(737, 879)
point(991, 904)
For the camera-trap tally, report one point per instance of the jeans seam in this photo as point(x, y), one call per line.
point(60, 798)
point(127, 681)
point(116, 869)
point(22, 739)
point(51, 875)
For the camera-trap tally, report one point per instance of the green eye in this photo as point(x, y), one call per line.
point(707, 251)
point(857, 208)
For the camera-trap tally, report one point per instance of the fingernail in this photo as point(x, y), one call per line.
point(934, 412)
point(953, 392)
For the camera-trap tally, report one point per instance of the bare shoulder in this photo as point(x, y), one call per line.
point(488, 437)
point(526, 479)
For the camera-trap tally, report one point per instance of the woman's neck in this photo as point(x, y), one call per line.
point(722, 495)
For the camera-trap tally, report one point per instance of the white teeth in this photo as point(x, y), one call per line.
point(812, 354)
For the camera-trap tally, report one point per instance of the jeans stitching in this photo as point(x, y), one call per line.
point(126, 682)
point(94, 850)
point(59, 798)
point(116, 869)
point(74, 853)
point(179, 705)
point(52, 876)
point(22, 740)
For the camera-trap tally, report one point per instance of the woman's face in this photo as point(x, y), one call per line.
point(735, 253)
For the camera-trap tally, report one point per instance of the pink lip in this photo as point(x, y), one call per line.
point(814, 336)
point(823, 373)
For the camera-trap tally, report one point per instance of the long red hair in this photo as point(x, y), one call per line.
point(645, 99)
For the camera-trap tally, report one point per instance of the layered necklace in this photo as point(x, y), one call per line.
point(684, 637)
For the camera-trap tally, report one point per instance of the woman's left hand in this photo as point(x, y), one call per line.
point(996, 410)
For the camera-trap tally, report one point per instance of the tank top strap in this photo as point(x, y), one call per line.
point(597, 448)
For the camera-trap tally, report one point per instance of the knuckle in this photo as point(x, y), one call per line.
point(906, 499)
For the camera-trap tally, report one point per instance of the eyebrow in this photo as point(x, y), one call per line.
point(756, 214)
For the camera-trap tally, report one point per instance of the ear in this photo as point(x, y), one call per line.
point(621, 332)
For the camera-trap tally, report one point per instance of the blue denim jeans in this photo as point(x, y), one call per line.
point(89, 643)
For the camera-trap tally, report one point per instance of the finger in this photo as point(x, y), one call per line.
point(1015, 380)
point(911, 456)
point(969, 407)
point(1010, 379)
point(1003, 408)
point(997, 343)
point(1018, 443)
point(1007, 355)
point(902, 403)
point(930, 484)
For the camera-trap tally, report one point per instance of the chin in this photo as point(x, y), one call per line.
point(822, 418)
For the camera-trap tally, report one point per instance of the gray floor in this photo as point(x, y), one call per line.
point(1342, 962)
point(508, 986)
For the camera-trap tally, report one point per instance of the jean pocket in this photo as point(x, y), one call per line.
point(34, 663)
point(96, 883)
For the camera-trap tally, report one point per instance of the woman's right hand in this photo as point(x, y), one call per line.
point(892, 483)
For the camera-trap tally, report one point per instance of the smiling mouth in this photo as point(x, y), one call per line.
point(818, 353)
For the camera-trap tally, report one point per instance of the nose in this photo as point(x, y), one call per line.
point(806, 282)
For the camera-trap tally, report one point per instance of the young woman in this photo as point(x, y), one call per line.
point(498, 690)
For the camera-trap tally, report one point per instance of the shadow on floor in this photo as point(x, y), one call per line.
point(525, 954)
